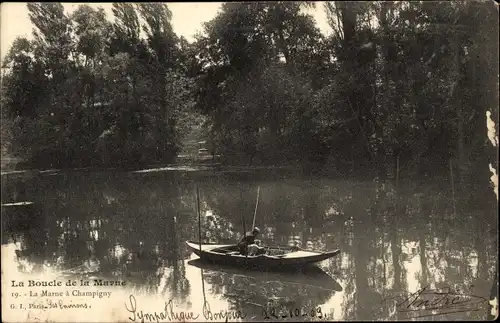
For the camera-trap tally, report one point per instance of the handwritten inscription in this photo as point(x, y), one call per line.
point(222, 314)
point(167, 313)
point(35, 318)
point(283, 313)
point(426, 302)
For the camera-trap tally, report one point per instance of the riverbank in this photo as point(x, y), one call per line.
point(203, 167)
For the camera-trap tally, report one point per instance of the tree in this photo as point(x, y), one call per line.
point(395, 83)
point(84, 91)
point(244, 48)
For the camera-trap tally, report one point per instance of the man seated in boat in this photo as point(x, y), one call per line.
point(248, 245)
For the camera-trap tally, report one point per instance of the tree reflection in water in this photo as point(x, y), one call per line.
point(135, 226)
point(254, 291)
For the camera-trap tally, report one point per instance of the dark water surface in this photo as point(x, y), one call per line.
point(135, 225)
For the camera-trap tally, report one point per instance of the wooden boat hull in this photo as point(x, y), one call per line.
point(216, 253)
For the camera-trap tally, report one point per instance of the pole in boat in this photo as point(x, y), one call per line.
point(256, 205)
point(242, 215)
point(199, 215)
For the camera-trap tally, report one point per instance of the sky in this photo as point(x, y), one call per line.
point(187, 19)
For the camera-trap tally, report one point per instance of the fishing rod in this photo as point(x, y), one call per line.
point(256, 205)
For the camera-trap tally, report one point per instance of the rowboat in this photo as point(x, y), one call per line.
point(274, 257)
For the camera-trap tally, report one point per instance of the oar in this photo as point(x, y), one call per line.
point(256, 205)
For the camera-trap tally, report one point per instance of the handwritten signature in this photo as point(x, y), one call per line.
point(441, 301)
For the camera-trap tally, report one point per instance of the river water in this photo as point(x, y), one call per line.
point(394, 239)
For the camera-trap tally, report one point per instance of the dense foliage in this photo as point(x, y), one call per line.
point(395, 81)
point(87, 91)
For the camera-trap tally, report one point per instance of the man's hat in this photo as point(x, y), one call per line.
point(256, 229)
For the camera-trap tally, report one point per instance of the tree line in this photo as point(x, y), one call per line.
point(395, 84)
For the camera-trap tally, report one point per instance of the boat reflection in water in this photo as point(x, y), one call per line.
point(269, 293)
